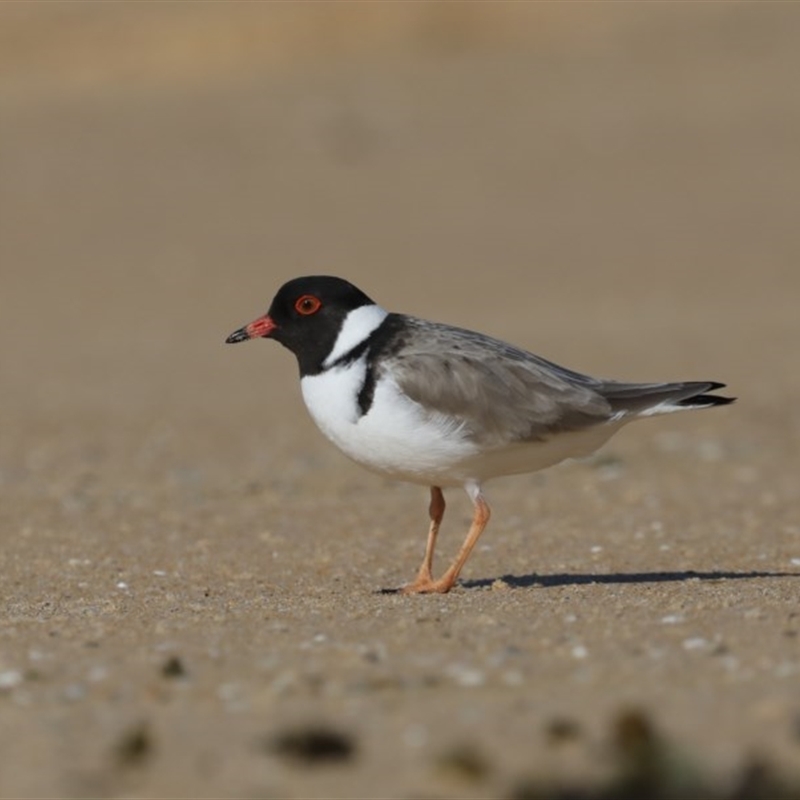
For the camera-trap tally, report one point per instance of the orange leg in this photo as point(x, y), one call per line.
point(424, 582)
point(436, 511)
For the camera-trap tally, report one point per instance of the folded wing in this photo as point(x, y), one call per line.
point(501, 394)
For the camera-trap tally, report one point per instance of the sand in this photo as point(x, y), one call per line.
point(191, 574)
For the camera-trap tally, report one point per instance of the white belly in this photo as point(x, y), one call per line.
point(395, 437)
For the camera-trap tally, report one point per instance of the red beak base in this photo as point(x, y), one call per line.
point(257, 329)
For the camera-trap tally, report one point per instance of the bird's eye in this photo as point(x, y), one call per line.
point(307, 305)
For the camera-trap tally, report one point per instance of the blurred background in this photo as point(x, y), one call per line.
point(612, 185)
point(609, 184)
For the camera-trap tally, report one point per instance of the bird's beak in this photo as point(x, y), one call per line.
point(261, 327)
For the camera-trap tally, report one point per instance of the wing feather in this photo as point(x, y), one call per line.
point(500, 394)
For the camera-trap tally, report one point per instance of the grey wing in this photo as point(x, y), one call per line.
point(499, 393)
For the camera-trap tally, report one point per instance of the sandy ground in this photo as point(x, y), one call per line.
point(191, 574)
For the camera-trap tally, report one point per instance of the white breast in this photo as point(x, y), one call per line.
point(395, 437)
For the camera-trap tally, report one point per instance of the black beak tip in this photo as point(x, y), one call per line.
point(237, 336)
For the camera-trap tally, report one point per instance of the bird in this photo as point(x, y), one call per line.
point(442, 406)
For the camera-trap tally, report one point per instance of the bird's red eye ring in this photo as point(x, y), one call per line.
point(307, 305)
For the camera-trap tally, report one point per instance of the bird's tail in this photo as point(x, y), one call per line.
point(649, 399)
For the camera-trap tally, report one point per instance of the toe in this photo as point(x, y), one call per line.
point(427, 587)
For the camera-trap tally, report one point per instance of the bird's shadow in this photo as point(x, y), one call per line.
point(579, 579)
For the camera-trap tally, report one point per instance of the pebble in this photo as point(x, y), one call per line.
point(695, 643)
point(9, 679)
point(466, 676)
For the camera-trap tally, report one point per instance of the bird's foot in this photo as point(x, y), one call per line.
point(428, 586)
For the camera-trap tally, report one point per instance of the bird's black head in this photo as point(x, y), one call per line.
point(306, 316)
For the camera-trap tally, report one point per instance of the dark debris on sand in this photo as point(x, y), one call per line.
point(649, 768)
point(313, 745)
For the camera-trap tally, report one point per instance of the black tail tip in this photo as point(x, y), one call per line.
point(705, 400)
point(716, 400)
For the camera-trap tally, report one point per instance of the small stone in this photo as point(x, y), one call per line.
point(173, 668)
point(134, 747)
point(466, 676)
point(465, 763)
point(9, 679)
point(562, 730)
point(695, 643)
point(313, 745)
